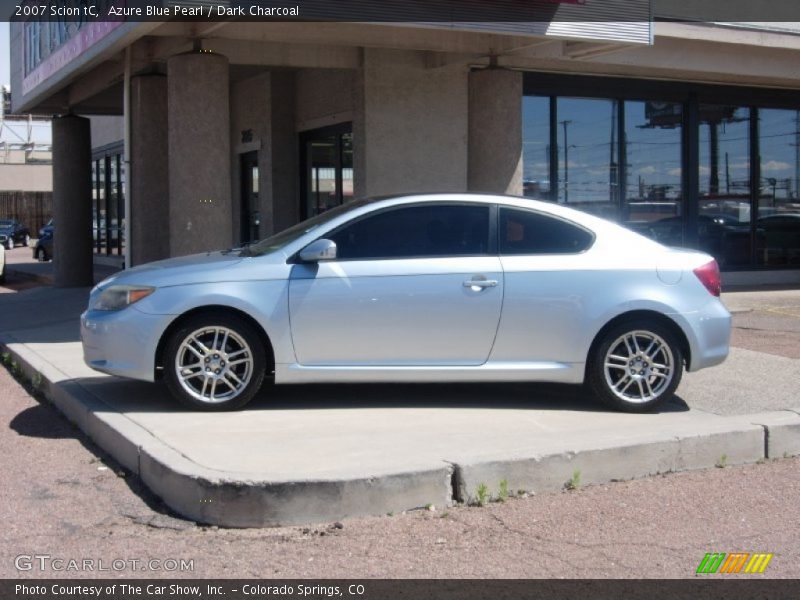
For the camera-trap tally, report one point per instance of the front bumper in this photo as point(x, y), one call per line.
point(122, 342)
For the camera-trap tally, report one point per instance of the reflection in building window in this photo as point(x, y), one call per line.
point(724, 183)
point(588, 146)
point(654, 201)
point(738, 199)
point(536, 147)
point(778, 221)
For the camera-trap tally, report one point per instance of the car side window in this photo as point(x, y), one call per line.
point(528, 232)
point(432, 230)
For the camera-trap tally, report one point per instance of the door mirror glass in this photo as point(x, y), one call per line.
point(318, 250)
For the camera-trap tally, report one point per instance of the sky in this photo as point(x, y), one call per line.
point(5, 67)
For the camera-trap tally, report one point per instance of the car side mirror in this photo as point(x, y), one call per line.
point(318, 250)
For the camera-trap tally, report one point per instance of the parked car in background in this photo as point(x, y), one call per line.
point(47, 229)
point(433, 288)
point(43, 250)
point(2, 264)
point(780, 243)
point(12, 232)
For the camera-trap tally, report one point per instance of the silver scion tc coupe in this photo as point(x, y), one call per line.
point(429, 288)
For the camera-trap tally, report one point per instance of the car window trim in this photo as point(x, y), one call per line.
point(295, 258)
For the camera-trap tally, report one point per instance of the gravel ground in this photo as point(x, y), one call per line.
point(61, 496)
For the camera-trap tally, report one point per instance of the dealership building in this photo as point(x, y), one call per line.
point(174, 137)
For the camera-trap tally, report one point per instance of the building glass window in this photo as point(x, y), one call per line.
point(778, 219)
point(724, 183)
point(651, 159)
point(99, 221)
point(536, 147)
point(588, 143)
point(327, 168)
point(677, 162)
point(108, 204)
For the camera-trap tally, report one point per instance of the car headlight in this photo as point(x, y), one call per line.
point(117, 297)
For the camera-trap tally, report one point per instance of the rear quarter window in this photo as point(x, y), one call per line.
point(528, 232)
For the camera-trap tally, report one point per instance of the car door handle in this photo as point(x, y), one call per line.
point(480, 283)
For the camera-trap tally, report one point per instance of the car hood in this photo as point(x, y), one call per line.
point(183, 270)
point(216, 267)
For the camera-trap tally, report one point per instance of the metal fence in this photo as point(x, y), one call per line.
point(32, 209)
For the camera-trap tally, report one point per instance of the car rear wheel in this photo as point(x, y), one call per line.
point(636, 366)
point(214, 362)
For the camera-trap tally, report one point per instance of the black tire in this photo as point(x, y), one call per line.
point(10, 243)
point(41, 255)
point(652, 377)
point(241, 336)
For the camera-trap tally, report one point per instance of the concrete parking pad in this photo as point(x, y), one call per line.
point(310, 453)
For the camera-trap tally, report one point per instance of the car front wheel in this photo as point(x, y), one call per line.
point(636, 366)
point(10, 243)
point(214, 362)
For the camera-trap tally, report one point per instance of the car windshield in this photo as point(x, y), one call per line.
point(287, 236)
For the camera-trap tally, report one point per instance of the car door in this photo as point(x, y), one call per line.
point(412, 285)
point(549, 288)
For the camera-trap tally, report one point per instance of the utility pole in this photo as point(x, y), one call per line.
point(613, 171)
point(727, 175)
point(565, 123)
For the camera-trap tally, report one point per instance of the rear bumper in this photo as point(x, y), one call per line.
point(709, 334)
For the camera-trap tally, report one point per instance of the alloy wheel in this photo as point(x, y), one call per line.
point(214, 364)
point(639, 366)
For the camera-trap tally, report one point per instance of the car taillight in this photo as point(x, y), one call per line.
point(709, 276)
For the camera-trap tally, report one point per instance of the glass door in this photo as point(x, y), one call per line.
point(250, 219)
point(326, 168)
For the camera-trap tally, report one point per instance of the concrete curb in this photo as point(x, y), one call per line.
point(228, 499)
point(665, 452)
point(232, 499)
point(781, 432)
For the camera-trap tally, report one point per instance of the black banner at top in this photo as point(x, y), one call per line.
point(454, 11)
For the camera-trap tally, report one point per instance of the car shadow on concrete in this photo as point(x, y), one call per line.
point(137, 396)
point(533, 396)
